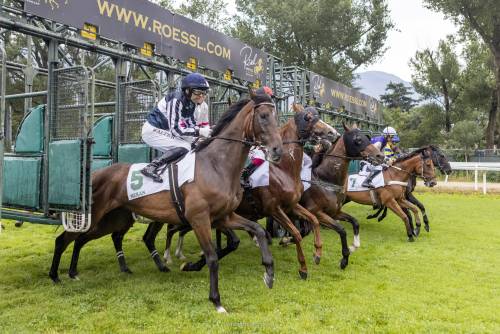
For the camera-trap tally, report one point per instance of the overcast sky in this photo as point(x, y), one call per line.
point(416, 28)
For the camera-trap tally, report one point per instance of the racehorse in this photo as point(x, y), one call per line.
point(285, 187)
point(210, 199)
point(440, 161)
point(325, 196)
point(417, 163)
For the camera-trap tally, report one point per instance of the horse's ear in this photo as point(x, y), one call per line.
point(251, 92)
point(346, 128)
point(297, 107)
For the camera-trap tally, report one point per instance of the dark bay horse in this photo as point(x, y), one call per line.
point(417, 163)
point(325, 197)
point(285, 187)
point(440, 161)
point(211, 198)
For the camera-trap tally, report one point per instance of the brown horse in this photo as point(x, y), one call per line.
point(285, 186)
point(211, 198)
point(417, 163)
point(325, 196)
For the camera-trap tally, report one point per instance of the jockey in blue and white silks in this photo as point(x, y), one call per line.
point(171, 127)
point(381, 142)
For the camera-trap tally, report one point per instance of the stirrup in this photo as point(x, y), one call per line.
point(151, 174)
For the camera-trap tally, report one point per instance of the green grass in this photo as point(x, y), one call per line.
point(447, 281)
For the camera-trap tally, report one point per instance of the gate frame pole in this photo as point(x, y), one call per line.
point(53, 63)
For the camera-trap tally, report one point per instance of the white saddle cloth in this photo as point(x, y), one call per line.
point(355, 181)
point(260, 178)
point(139, 185)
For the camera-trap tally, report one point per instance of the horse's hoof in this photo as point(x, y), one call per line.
point(55, 279)
point(344, 262)
point(356, 242)
point(187, 266)
point(126, 271)
point(74, 277)
point(427, 228)
point(416, 232)
point(268, 280)
point(379, 219)
point(411, 239)
point(168, 260)
point(183, 258)
point(220, 309)
point(303, 275)
point(316, 259)
point(164, 269)
point(352, 249)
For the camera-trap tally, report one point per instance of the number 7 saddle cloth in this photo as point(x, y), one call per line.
point(139, 185)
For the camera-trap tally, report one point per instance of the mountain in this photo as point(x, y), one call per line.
point(373, 83)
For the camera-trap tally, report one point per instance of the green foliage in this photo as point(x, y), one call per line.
point(481, 17)
point(420, 126)
point(332, 38)
point(398, 96)
point(466, 134)
point(390, 285)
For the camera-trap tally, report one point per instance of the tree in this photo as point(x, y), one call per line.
point(436, 75)
point(484, 18)
point(466, 134)
point(398, 96)
point(211, 13)
point(330, 37)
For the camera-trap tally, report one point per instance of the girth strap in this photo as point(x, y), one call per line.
point(176, 193)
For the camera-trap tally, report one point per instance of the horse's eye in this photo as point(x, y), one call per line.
point(358, 141)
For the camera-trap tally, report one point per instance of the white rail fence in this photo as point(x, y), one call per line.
point(476, 167)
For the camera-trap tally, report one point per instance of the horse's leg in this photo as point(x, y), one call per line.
point(284, 221)
point(330, 223)
point(301, 212)
point(394, 206)
point(412, 199)
point(171, 230)
point(149, 240)
point(384, 214)
point(237, 222)
point(201, 227)
point(232, 244)
point(80, 241)
point(117, 241)
point(218, 239)
point(180, 243)
point(414, 209)
point(61, 243)
point(356, 243)
point(375, 215)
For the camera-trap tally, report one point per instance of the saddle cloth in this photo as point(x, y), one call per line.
point(139, 185)
point(260, 178)
point(355, 181)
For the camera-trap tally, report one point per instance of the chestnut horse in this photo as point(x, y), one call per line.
point(211, 198)
point(440, 161)
point(418, 163)
point(284, 190)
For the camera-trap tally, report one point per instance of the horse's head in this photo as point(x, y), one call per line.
point(357, 144)
point(310, 126)
point(263, 127)
point(425, 169)
point(440, 160)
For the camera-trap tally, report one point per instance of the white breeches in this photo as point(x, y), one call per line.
point(162, 140)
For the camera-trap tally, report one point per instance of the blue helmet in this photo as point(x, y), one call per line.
point(194, 81)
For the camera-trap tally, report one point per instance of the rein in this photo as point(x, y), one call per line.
point(248, 128)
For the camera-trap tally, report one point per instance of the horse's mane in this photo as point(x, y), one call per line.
point(412, 154)
point(228, 117)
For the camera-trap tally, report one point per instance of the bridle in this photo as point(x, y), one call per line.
point(248, 126)
point(421, 175)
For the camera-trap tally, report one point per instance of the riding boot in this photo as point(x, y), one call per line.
point(245, 174)
point(368, 182)
point(151, 170)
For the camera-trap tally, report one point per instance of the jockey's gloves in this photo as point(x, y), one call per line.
point(205, 132)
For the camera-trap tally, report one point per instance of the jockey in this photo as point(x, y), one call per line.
point(381, 142)
point(256, 156)
point(171, 127)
